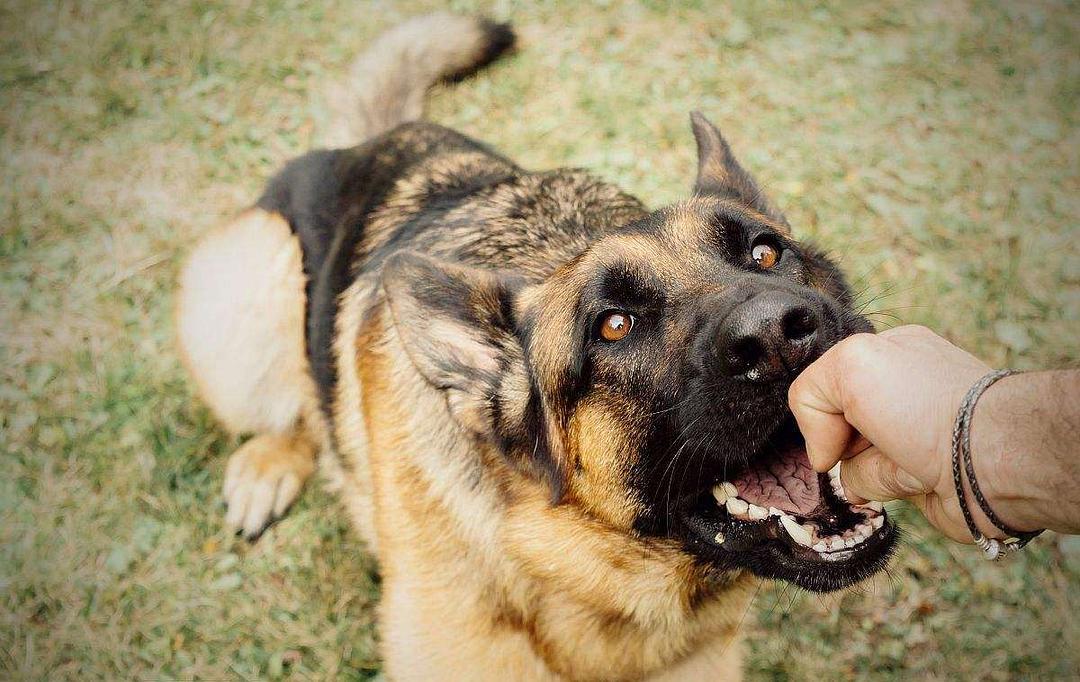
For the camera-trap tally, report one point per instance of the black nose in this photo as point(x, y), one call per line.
point(770, 336)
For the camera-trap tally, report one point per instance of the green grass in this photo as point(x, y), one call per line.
point(932, 146)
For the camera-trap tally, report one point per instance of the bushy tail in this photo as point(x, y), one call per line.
point(387, 84)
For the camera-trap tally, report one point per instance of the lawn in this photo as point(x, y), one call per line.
point(932, 147)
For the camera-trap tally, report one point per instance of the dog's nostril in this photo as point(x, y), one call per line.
point(743, 354)
point(799, 324)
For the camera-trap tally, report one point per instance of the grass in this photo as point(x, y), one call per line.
point(932, 146)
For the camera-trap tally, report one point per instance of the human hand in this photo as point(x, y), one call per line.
point(885, 405)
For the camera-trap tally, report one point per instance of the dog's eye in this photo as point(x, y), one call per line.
point(615, 326)
point(765, 252)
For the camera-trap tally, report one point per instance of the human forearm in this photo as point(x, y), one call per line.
point(1025, 440)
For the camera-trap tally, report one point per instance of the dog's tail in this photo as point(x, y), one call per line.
point(387, 84)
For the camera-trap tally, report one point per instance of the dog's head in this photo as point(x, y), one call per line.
point(646, 379)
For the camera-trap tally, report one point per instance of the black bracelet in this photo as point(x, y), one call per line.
point(961, 452)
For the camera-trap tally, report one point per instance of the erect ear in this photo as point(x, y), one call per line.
point(719, 174)
point(457, 326)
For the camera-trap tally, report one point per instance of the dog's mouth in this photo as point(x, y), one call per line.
point(781, 519)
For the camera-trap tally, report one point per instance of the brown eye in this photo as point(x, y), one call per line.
point(765, 254)
point(615, 326)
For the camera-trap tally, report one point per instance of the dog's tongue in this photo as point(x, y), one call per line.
point(786, 482)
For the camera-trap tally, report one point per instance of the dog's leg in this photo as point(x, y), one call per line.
point(240, 322)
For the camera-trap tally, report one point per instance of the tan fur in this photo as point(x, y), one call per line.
point(240, 326)
point(604, 450)
point(351, 470)
point(387, 84)
point(240, 322)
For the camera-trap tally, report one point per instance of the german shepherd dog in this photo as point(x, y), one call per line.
point(557, 418)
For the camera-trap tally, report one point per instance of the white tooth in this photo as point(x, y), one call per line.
point(797, 532)
point(730, 488)
point(757, 513)
point(820, 547)
point(773, 511)
point(876, 506)
point(835, 543)
point(834, 473)
point(877, 522)
point(810, 528)
point(719, 538)
point(850, 542)
point(737, 506)
point(720, 494)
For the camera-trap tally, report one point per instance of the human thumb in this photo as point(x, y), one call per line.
point(870, 475)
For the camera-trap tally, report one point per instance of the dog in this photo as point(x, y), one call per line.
point(557, 419)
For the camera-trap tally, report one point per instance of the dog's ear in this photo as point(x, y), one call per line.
point(719, 174)
point(457, 326)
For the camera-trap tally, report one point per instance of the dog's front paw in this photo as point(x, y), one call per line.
point(263, 478)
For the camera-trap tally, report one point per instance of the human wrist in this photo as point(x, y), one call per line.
point(1017, 457)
